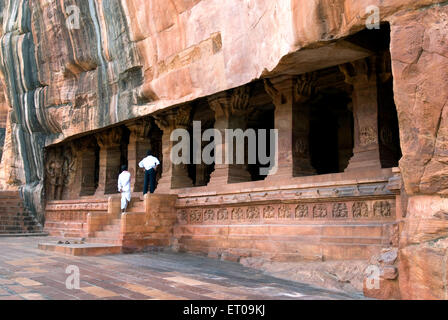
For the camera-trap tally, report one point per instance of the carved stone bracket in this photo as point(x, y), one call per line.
point(360, 72)
point(166, 120)
point(233, 104)
point(140, 129)
point(305, 87)
point(110, 138)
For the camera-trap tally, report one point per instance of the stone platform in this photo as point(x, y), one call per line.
point(85, 249)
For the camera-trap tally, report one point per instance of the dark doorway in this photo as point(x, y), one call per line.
point(331, 132)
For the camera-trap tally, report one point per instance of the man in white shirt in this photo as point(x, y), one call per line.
point(150, 164)
point(124, 186)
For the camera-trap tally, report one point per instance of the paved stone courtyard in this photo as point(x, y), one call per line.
point(27, 273)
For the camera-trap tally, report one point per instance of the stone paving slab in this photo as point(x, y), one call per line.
point(27, 273)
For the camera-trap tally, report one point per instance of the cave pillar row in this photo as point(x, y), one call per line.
point(110, 159)
point(231, 111)
point(419, 55)
point(361, 75)
point(139, 144)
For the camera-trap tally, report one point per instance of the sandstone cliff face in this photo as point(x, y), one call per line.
point(130, 58)
point(420, 63)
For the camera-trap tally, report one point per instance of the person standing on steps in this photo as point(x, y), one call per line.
point(124, 187)
point(150, 164)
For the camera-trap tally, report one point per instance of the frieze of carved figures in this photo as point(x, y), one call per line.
point(253, 213)
point(209, 215)
point(223, 214)
point(237, 214)
point(196, 216)
point(381, 209)
point(284, 212)
point(183, 216)
point(301, 211)
point(368, 136)
point(360, 210)
point(268, 212)
point(319, 211)
point(78, 207)
point(340, 210)
point(67, 216)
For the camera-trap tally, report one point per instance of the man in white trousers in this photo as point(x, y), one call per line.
point(124, 186)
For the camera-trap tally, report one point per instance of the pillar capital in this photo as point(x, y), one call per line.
point(174, 118)
point(140, 128)
point(231, 104)
point(183, 117)
point(361, 72)
point(304, 87)
point(83, 144)
point(110, 138)
point(280, 89)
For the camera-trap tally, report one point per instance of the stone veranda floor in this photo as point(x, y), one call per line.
point(31, 274)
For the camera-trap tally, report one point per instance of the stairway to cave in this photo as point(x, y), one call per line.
point(15, 219)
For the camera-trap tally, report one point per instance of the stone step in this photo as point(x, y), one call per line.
point(86, 249)
point(116, 222)
point(112, 228)
point(104, 240)
point(21, 216)
point(26, 234)
point(9, 195)
point(18, 226)
point(13, 211)
point(107, 234)
point(136, 209)
point(15, 218)
point(64, 225)
point(63, 233)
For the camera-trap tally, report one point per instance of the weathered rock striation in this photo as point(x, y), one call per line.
point(133, 58)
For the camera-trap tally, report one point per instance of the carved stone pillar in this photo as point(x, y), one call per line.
point(110, 158)
point(304, 89)
point(139, 144)
point(173, 176)
point(231, 111)
point(289, 95)
point(86, 183)
point(201, 169)
point(361, 75)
